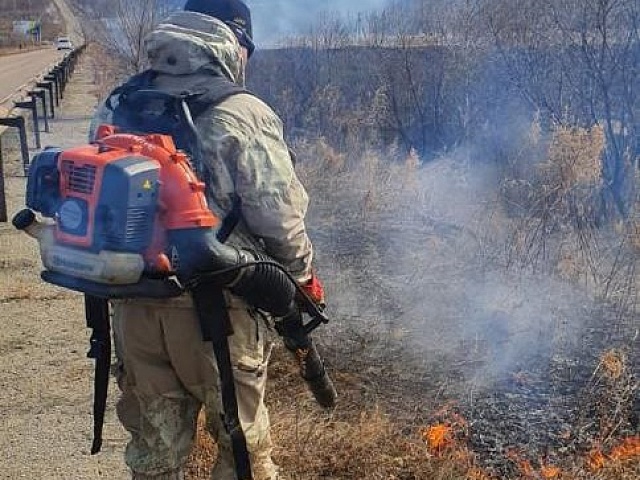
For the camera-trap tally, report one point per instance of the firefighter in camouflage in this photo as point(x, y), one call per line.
point(167, 373)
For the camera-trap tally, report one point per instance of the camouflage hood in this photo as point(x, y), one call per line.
point(189, 43)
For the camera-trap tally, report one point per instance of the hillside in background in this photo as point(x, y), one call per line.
point(44, 11)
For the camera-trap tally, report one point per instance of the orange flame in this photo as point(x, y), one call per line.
point(445, 436)
point(629, 448)
point(527, 470)
point(550, 471)
point(448, 437)
point(438, 437)
point(596, 459)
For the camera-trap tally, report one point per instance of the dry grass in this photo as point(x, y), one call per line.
point(355, 442)
point(556, 202)
point(363, 442)
point(203, 455)
point(574, 157)
point(569, 166)
point(352, 194)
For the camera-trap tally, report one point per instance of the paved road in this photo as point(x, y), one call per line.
point(72, 23)
point(18, 69)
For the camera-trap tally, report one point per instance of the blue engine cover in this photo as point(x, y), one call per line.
point(43, 184)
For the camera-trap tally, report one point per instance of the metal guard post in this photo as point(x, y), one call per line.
point(33, 106)
point(48, 85)
point(42, 95)
point(20, 124)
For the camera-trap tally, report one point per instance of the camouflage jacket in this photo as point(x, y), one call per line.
point(244, 148)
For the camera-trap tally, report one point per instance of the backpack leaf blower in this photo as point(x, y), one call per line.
point(127, 217)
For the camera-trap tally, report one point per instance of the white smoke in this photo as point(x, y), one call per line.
point(437, 280)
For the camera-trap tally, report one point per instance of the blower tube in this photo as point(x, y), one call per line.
point(203, 260)
point(250, 275)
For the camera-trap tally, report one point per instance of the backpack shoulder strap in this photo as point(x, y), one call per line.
point(97, 316)
point(218, 90)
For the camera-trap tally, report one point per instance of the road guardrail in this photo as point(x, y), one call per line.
point(46, 91)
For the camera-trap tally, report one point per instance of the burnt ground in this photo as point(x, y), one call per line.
point(557, 408)
point(528, 366)
point(552, 408)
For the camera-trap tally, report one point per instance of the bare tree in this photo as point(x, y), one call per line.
point(578, 62)
point(603, 43)
point(122, 25)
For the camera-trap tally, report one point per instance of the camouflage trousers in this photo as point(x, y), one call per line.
point(167, 373)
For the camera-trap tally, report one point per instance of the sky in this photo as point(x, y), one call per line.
point(273, 19)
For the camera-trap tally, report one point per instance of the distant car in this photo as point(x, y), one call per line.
point(63, 43)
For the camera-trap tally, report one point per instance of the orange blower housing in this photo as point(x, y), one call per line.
point(179, 194)
point(131, 218)
point(124, 194)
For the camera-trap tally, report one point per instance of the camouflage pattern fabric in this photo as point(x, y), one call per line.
point(166, 372)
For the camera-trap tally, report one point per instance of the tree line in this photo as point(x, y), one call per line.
point(432, 75)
